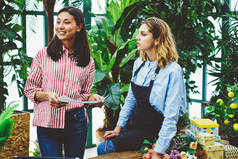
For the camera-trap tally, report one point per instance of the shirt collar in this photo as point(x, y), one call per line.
point(151, 63)
point(65, 50)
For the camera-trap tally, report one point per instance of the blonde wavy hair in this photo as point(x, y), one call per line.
point(166, 49)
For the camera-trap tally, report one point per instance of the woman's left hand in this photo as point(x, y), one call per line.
point(96, 97)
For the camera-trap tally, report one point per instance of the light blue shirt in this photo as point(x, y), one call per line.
point(168, 96)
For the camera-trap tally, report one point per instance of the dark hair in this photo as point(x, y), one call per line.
point(81, 46)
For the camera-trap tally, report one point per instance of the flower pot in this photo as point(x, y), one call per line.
point(18, 142)
point(233, 140)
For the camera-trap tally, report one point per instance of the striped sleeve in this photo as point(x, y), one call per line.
point(33, 83)
point(86, 89)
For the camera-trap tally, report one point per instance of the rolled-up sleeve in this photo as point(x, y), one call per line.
point(174, 101)
point(34, 80)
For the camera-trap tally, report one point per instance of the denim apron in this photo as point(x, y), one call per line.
point(144, 123)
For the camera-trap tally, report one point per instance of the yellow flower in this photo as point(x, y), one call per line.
point(231, 94)
point(183, 155)
point(220, 101)
point(233, 106)
point(218, 115)
point(193, 145)
point(231, 116)
point(235, 126)
point(226, 122)
point(166, 156)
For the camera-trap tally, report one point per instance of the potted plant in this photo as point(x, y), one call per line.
point(13, 58)
point(113, 61)
point(226, 77)
point(225, 69)
point(225, 110)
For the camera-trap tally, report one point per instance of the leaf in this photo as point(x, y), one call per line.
point(3, 139)
point(147, 142)
point(236, 101)
point(99, 22)
point(129, 57)
point(127, 16)
point(8, 113)
point(6, 129)
point(99, 76)
point(98, 59)
point(125, 88)
point(113, 59)
point(113, 12)
point(113, 99)
point(17, 27)
point(6, 33)
point(191, 151)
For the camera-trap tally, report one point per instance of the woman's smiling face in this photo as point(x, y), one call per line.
point(66, 27)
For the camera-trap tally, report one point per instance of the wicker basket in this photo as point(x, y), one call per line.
point(18, 143)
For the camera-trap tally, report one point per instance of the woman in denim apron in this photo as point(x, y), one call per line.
point(156, 96)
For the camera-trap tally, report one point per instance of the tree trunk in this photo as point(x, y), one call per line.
point(49, 9)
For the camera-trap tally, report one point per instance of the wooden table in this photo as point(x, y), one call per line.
point(121, 155)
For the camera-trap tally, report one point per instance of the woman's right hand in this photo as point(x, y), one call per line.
point(53, 100)
point(51, 97)
point(112, 133)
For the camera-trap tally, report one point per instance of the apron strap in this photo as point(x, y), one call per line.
point(153, 78)
point(136, 72)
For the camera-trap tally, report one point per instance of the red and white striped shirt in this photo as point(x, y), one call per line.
point(63, 77)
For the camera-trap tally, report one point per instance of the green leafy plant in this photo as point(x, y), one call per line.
point(180, 145)
point(181, 142)
point(194, 33)
point(113, 59)
point(36, 150)
point(12, 57)
point(6, 124)
point(225, 69)
point(191, 24)
point(147, 145)
point(225, 110)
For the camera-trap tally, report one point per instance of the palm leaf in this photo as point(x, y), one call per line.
point(8, 113)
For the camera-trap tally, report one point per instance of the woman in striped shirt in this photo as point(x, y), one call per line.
point(63, 68)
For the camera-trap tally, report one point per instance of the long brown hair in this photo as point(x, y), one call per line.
point(166, 49)
point(81, 46)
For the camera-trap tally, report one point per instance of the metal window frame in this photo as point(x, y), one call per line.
point(87, 8)
point(204, 72)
